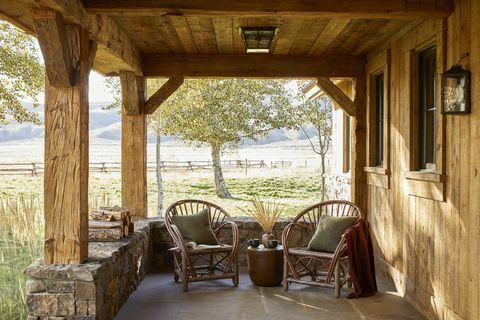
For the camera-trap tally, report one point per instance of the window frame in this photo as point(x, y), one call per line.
point(423, 164)
point(429, 182)
point(378, 173)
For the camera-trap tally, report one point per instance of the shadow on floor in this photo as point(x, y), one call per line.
point(159, 297)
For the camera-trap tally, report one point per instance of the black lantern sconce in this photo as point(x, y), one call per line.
point(456, 90)
point(258, 39)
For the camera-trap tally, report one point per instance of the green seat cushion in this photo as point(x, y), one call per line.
point(329, 232)
point(195, 227)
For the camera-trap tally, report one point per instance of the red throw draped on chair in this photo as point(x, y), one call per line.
point(360, 257)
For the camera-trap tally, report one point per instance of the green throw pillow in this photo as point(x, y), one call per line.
point(196, 227)
point(329, 232)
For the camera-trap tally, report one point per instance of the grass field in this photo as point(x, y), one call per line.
point(22, 216)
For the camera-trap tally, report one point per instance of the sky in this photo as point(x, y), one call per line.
point(97, 92)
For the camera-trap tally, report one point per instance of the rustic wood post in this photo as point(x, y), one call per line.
point(134, 144)
point(359, 145)
point(68, 56)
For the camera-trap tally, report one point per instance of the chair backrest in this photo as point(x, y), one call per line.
point(192, 206)
point(310, 216)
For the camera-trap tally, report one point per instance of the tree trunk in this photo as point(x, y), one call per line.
point(220, 185)
point(323, 154)
point(159, 176)
point(322, 157)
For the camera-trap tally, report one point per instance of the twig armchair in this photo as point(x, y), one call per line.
point(305, 266)
point(199, 264)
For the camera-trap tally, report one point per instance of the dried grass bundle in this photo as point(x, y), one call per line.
point(265, 212)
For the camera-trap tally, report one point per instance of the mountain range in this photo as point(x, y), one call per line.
point(106, 124)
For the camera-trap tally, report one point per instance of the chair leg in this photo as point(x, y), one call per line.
point(184, 273)
point(235, 272)
point(175, 268)
point(337, 280)
point(285, 274)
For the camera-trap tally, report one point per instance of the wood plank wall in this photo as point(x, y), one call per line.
point(430, 247)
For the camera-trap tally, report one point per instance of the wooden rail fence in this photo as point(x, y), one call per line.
point(33, 168)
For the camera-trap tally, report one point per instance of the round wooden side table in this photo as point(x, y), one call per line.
point(265, 266)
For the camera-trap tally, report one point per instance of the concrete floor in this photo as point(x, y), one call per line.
point(159, 297)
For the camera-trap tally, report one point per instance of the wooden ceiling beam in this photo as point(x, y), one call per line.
point(350, 9)
point(162, 94)
point(252, 66)
point(111, 39)
point(337, 95)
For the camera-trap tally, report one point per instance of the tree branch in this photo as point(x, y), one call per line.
point(310, 140)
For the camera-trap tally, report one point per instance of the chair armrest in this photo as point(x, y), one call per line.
point(177, 238)
point(235, 231)
point(286, 234)
point(338, 254)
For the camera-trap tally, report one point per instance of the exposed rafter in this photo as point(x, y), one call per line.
point(337, 95)
point(328, 35)
point(162, 94)
point(252, 66)
point(355, 9)
point(53, 41)
point(112, 40)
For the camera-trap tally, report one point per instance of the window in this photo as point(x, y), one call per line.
point(379, 119)
point(427, 108)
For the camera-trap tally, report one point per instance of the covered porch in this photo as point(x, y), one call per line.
point(159, 295)
point(414, 169)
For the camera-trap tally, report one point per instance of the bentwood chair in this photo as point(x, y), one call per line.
point(302, 265)
point(199, 264)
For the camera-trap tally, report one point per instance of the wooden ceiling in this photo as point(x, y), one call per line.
point(171, 34)
point(130, 32)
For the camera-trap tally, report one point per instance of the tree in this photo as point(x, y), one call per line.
point(155, 122)
point(222, 113)
point(21, 75)
point(318, 112)
point(219, 114)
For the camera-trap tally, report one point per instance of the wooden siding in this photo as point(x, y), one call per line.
point(428, 246)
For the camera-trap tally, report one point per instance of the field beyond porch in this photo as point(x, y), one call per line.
point(21, 210)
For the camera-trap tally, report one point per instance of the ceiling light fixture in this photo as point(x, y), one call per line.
point(258, 39)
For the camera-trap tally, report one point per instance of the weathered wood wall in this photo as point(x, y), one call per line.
point(427, 233)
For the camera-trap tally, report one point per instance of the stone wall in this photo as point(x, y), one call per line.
point(98, 288)
point(92, 290)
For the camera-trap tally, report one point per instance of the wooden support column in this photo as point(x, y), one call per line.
point(359, 145)
point(134, 144)
point(66, 137)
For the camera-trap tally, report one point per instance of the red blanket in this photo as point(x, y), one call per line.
point(360, 257)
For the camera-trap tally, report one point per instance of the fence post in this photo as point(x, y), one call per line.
point(246, 166)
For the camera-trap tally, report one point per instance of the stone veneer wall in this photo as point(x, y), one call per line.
point(95, 289)
point(98, 288)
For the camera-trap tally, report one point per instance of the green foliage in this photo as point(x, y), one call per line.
point(113, 85)
point(221, 113)
point(21, 75)
point(317, 112)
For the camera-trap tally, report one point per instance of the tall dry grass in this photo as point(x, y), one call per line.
point(21, 234)
point(265, 212)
